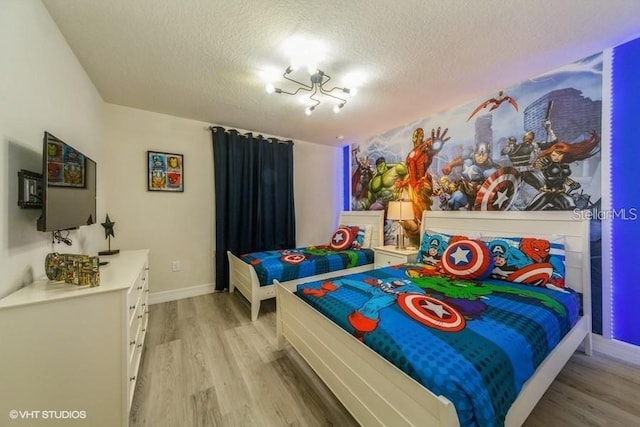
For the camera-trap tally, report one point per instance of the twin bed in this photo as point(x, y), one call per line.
point(257, 287)
point(445, 370)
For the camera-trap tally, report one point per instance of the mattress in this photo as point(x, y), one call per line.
point(291, 264)
point(474, 342)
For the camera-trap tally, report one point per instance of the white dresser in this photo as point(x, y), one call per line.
point(69, 355)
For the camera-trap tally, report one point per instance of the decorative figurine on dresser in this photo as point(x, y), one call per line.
point(78, 270)
point(108, 232)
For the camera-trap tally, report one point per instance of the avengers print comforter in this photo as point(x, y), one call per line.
point(474, 342)
point(291, 264)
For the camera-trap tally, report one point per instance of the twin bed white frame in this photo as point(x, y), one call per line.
point(379, 394)
point(243, 276)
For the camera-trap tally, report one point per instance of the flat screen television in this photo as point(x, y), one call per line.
point(68, 187)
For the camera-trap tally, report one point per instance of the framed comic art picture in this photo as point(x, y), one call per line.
point(165, 171)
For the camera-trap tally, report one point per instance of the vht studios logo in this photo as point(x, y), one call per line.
point(624, 214)
point(15, 414)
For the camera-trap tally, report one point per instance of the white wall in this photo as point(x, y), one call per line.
point(318, 191)
point(42, 87)
point(174, 226)
point(179, 226)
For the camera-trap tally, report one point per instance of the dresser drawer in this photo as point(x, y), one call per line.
point(136, 321)
point(386, 256)
point(385, 259)
point(134, 367)
point(133, 296)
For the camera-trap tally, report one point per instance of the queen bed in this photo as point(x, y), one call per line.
point(257, 285)
point(519, 361)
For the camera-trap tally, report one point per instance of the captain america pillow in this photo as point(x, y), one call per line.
point(342, 238)
point(467, 259)
point(434, 243)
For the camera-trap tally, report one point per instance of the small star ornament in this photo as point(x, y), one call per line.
point(108, 227)
point(108, 233)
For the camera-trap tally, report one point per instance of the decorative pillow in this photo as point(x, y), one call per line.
point(368, 235)
point(468, 259)
point(358, 236)
point(537, 261)
point(433, 245)
point(362, 235)
point(342, 239)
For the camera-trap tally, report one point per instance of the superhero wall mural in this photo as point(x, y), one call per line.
point(532, 146)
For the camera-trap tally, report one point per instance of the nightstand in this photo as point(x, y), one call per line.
point(390, 255)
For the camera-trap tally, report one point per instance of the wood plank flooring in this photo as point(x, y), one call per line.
point(205, 364)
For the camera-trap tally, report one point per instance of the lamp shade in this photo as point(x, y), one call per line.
point(400, 210)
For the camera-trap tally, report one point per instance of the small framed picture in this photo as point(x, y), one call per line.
point(165, 171)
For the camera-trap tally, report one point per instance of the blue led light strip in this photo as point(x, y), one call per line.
point(346, 168)
point(625, 192)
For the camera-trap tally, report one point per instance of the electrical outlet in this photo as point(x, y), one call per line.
point(175, 266)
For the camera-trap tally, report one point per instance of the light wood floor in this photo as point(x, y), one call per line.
point(206, 364)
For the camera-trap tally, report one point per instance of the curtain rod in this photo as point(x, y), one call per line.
point(282, 141)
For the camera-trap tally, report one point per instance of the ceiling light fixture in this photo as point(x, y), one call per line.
point(318, 80)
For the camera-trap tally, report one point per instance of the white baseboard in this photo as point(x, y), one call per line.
point(176, 294)
point(618, 349)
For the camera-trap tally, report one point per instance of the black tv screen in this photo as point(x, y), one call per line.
point(68, 187)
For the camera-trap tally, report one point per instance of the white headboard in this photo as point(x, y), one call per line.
point(374, 218)
point(570, 224)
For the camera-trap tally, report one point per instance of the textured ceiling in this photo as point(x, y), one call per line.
point(203, 59)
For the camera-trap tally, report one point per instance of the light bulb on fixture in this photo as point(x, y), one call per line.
point(293, 67)
point(270, 88)
point(309, 110)
point(337, 108)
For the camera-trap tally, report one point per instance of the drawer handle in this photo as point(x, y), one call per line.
point(132, 342)
point(139, 287)
point(146, 312)
point(133, 378)
point(143, 304)
point(139, 316)
point(132, 307)
point(139, 345)
point(146, 268)
point(144, 330)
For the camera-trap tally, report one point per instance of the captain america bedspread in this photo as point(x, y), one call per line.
point(474, 342)
point(291, 264)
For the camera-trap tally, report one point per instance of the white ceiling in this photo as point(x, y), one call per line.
point(202, 59)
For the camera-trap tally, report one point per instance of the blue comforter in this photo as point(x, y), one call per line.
point(291, 264)
point(474, 342)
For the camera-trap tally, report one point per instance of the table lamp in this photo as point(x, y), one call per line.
point(400, 210)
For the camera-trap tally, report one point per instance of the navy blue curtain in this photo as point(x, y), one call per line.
point(255, 208)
